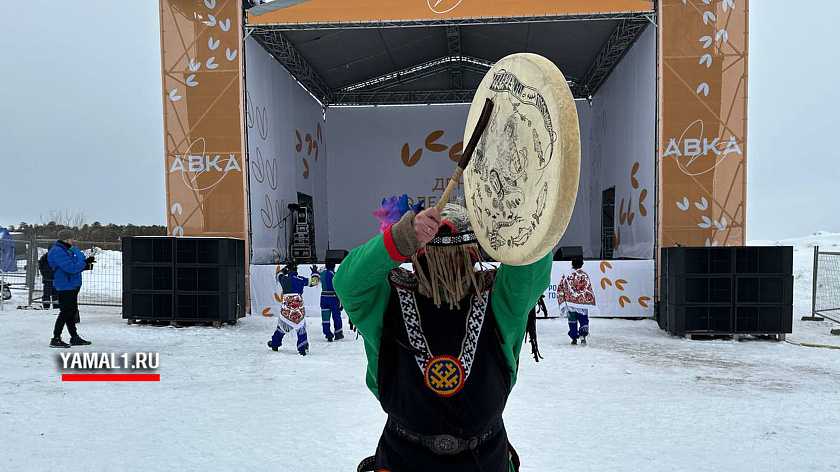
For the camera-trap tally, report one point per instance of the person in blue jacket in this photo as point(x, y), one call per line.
point(330, 305)
point(67, 263)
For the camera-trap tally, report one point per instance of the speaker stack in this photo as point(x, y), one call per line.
point(726, 290)
point(303, 243)
point(183, 279)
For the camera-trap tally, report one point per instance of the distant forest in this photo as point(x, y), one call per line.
point(95, 232)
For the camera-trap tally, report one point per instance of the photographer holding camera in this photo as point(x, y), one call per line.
point(68, 263)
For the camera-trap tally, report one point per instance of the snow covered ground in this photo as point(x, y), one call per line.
point(635, 399)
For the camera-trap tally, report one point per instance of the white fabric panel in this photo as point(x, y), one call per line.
point(585, 225)
point(278, 110)
point(622, 287)
point(623, 133)
point(367, 164)
point(635, 283)
point(265, 291)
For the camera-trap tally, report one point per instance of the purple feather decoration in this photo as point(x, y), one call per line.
point(391, 211)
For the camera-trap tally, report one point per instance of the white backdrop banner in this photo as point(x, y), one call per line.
point(376, 152)
point(287, 154)
point(266, 292)
point(622, 151)
point(623, 289)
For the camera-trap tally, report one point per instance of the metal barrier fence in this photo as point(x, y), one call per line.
point(100, 286)
point(826, 295)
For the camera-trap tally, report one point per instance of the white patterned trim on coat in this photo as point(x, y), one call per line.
point(414, 330)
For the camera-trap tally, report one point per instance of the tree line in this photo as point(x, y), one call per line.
point(95, 232)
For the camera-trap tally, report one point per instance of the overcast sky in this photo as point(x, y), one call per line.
point(81, 114)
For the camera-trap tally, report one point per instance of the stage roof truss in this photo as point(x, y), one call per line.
point(453, 21)
point(358, 98)
point(456, 72)
point(284, 52)
point(421, 70)
point(625, 34)
point(423, 82)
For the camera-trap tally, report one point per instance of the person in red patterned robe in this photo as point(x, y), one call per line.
point(577, 300)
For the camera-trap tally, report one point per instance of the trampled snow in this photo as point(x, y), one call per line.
point(635, 399)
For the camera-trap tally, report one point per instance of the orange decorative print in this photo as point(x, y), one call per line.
point(267, 312)
point(455, 151)
point(620, 283)
point(642, 197)
point(627, 215)
point(604, 266)
point(623, 300)
point(643, 301)
point(312, 146)
point(410, 159)
point(604, 282)
point(430, 143)
point(633, 181)
point(278, 298)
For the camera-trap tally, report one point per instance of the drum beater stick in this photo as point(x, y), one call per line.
point(468, 152)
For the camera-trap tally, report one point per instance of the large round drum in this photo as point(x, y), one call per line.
point(521, 183)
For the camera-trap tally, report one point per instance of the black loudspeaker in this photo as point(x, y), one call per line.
point(335, 255)
point(209, 251)
point(144, 305)
point(148, 250)
point(567, 253)
point(148, 278)
point(726, 290)
point(183, 279)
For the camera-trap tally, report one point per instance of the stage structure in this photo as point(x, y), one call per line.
point(287, 122)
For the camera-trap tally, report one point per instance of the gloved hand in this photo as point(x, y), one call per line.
point(313, 268)
point(90, 260)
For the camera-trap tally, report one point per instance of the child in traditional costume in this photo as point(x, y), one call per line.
point(292, 312)
point(577, 300)
point(442, 342)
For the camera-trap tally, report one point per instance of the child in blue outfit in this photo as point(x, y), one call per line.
point(330, 305)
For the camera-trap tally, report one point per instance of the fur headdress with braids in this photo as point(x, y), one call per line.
point(450, 259)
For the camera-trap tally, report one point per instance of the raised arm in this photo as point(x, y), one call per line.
point(361, 281)
point(515, 293)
